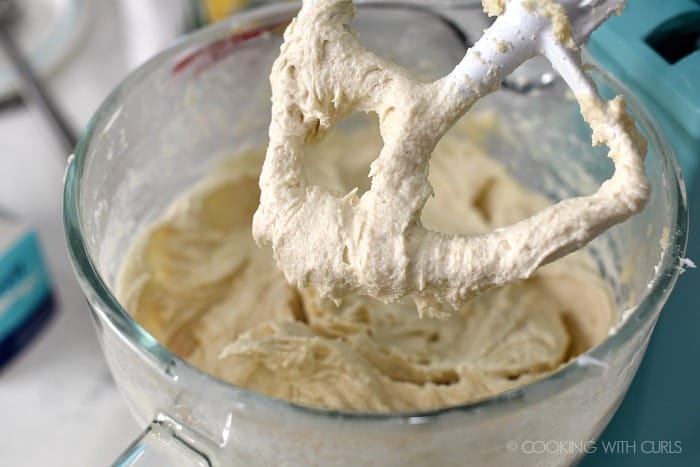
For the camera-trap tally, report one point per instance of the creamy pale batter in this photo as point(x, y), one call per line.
point(196, 280)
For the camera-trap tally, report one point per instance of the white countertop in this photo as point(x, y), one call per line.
point(58, 403)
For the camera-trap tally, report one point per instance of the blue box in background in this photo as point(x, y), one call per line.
point(26, 298)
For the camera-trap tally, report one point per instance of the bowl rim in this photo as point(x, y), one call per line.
point(103, 301)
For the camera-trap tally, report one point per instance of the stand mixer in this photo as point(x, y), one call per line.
point(655, 51)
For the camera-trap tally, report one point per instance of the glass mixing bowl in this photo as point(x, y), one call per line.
point(174, 119)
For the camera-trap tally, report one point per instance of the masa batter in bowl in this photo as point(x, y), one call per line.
point(196, 280)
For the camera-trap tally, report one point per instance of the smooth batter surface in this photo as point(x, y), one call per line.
point(197, 281)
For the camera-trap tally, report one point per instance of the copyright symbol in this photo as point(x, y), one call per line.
point(511, 446)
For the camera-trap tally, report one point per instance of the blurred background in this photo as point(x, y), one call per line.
point(57, 400)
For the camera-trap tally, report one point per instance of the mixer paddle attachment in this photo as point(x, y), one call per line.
point(375, 244)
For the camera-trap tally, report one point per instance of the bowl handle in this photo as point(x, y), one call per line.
point(164, 442)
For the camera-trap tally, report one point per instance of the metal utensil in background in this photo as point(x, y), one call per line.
point(32, 89)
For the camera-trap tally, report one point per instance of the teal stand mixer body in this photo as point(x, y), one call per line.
point(654, 50)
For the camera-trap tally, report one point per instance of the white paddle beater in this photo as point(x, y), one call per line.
point(375, 244)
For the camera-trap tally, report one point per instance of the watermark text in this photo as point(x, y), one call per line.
point(625, 447)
